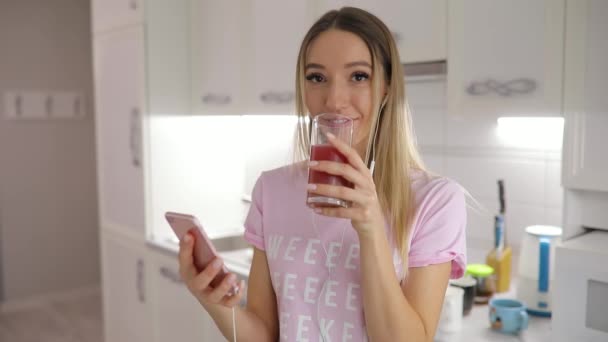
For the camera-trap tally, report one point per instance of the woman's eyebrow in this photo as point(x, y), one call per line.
point(357, 63)
point(314, 66)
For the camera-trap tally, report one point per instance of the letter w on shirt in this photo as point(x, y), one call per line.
point(274, 244)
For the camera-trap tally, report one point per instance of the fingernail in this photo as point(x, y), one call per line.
point(231, 279)
point(217, 263)
point(330, 136)
point(187, 238)
point(313, 163)
point(311, 186)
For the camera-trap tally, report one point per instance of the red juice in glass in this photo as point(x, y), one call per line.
point(326, 152)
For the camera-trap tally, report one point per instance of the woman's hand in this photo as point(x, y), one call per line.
point(365, 211)
point(199, 282)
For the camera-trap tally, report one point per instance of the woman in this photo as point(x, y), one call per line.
point(375, 271)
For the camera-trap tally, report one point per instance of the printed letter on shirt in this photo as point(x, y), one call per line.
point(310, 251)
point(350, 297)
point(290, 247)
point(346, 332)
point(353, 253)
point(310, 290)
point(288, 285)
point(331, 253)
point(301, 328)
point(330, 293)
point(274, 242)
point(283, 319)
point(325, 326)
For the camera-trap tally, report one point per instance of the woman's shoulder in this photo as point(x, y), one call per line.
point(293, 172)
point(427, 185)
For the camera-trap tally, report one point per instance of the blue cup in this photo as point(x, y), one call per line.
point(508, 315)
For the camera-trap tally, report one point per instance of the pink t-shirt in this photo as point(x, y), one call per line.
point(311, 300)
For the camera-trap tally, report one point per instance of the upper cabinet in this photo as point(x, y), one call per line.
point(112, 14)
point(585, 160)
point(274, 32)
point(505, 58)
point(418, 26)
point(218, 56)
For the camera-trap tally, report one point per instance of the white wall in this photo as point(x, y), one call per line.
point(470, 151)
point(48, 200)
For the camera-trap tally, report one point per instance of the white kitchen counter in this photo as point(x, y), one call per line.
point(475, 326)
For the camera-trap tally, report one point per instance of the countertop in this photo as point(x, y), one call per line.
point(475, 326)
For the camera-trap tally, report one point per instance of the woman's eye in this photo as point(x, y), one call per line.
point(360, 76)
point(315, 78)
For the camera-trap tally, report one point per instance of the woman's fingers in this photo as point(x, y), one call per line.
point(350, 153)
point(341, 169)
point(216, 295)
point(235, 299)
point(201, 282)
point(187, 270)
point(341, 192)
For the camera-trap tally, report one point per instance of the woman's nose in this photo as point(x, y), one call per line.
point(337, 98)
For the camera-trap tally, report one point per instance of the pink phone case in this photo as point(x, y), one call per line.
point(204, 251)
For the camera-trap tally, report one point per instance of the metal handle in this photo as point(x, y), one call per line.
point(170, 274)
point(139, 282)
point(216, 99)
point(48, 105)
point(518, 86)
point(18, 105)
point(135, 138)
point(271, 97)
point(77, 106)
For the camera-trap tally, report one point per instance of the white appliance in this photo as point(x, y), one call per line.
point(536, 268)
point(581, 289)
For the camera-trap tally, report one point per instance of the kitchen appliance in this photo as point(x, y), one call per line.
point(536, 265)
point(580, 294)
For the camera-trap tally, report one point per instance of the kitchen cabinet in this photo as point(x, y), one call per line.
point(505, 58)
point(119, 102)
point(177, 315)
point(419, 27)
point(126, 300)
point(273, 35)
point(585, 160)
point(113, 14)
point(218, 60)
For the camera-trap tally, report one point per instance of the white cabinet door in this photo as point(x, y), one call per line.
point(178, 316)
point(112, 14)
point(505, 58)
point(218, 60)
point(126, 300)
point(277, 28)
point(419, 26)
point(585, 154)
point(119, 108)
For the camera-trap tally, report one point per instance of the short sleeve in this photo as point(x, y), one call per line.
point(439, 235)
point(254, 228)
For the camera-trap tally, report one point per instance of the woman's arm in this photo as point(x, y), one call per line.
point(409, 312)
point(258, 321)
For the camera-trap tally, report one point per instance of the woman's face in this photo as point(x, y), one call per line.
point(338, 75)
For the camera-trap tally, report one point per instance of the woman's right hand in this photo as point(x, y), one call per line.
point(199, 282)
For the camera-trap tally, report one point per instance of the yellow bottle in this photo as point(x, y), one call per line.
point(499, 257)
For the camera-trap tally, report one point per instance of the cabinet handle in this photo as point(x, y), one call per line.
point(77, 107)
point(518, 86)
point(271, 97)
point(139, 283)
point(170, 274)
point(135, 137)
point(216, 99)
point(48, 105)
point(18, 105)
point(133, 5)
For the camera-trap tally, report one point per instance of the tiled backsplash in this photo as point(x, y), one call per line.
point(469, 151)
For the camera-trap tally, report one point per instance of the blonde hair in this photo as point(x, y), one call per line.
point(391, 141)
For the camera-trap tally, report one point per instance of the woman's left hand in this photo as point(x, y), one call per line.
point(365, 211)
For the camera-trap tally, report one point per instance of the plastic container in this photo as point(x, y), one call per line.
point(486, 281)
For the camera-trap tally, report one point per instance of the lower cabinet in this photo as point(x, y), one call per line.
point(177, 315)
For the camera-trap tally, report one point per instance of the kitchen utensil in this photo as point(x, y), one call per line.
point(499, 257)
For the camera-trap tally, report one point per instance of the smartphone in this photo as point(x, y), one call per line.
point(204, 251)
